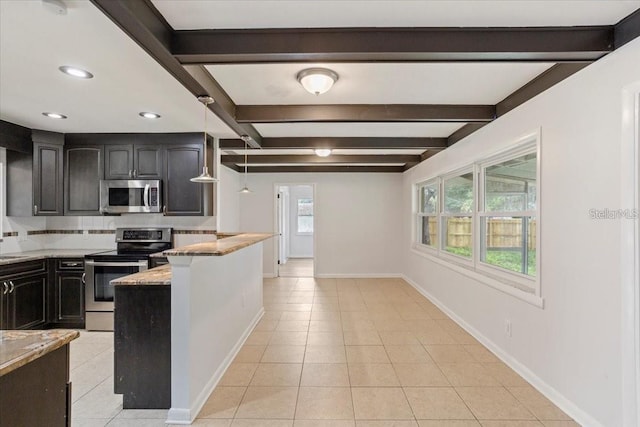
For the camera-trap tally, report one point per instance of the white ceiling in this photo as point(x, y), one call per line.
point(378, 83)
point(400, 130)
point(199, 14)
point(35, 42)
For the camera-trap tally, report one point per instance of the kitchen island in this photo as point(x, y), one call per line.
point(34, 377)
point(215, 302)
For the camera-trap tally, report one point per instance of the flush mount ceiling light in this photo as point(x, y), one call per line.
point(323, 152)
point(205, 178)
point(317, 80)
point(246, 139)
point(149, 115)
point(75, 72)
point(54, 115)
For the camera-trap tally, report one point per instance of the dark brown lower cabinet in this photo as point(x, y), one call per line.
point(23, 306)
point(38, 393)
point(142, 346)
point(66, 293)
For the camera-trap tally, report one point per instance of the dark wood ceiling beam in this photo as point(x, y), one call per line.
point(312, 158)
point(544, 81)
point(142, 22)
point(555, 44)
point(627, 29)
point(463, 132)
point(324, 169)
point(364, 113)
point(345, 143)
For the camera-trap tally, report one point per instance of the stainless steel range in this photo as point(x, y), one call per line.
point(134, 245)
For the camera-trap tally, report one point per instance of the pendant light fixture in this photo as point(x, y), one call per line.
point(205, 178)
point(246, 139)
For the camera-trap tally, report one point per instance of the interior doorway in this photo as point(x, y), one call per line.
point(296, 230)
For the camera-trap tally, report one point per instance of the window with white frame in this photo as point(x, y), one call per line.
point(485, 218)
point(508, 213)
point(427, 213)
point(305, 216)
point(457, 214)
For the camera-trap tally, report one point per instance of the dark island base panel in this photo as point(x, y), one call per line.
point(38, 393)
point(142, 345)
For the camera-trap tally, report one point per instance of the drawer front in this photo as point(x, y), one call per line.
point(66, 264)
point(26, 267)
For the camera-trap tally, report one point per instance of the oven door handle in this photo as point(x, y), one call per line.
point(145, 196)
point(116, 264)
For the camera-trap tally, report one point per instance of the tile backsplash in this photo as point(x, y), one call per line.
point(95, 232)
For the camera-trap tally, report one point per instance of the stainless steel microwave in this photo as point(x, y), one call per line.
point(130, 196)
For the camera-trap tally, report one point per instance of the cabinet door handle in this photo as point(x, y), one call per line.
point(164, 210)
point(12, 286)
point(5, 288)
point(135, 173)
point(84, 276)
point(130, 173)
point(35, 209)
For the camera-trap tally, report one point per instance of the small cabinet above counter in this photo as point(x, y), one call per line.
point(133, 161)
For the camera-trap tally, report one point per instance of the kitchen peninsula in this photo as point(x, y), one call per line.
point(214, 292)
point(34, 377)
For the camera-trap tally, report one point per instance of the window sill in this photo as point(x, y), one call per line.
point(510, 288)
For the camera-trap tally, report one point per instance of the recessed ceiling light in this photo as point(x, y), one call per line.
point(75, 72)
point(323, 152)
point(149, 115)
point(54, 115)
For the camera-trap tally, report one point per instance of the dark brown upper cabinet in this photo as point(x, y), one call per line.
point(42, 172)
point(82, 174)
point(133, 161)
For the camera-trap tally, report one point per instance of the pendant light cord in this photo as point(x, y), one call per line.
point(205, 133)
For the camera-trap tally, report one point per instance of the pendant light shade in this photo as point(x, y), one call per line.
point(317, 80)
point(205, 177)
point(245, 189)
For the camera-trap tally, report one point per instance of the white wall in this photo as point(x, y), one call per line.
point(228, 199)
point(356, 219)
point(300, 245)
point(572, 347)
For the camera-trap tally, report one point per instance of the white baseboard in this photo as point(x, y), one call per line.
point(570, 408)
point(186, 417)
point(360, 276)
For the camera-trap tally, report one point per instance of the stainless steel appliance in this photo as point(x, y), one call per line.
point(130, 196)
point(134, 245)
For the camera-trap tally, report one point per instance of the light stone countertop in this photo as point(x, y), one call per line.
point(155, 276)
point(220, 247)
point(47, 253)
point(230, 242)
point(17, 348)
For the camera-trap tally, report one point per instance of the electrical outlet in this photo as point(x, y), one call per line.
point(507, 327)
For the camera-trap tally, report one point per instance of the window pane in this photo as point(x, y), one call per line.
point(458, 194)
point(510, 243)
point(429, 198)
point(457, 235)
point(510, 186)
point(305, 224)
point(305, 216)
point(428, 231)
point(305, 207)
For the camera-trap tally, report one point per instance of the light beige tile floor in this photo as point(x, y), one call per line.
point(338, 353)
point(297, 267)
